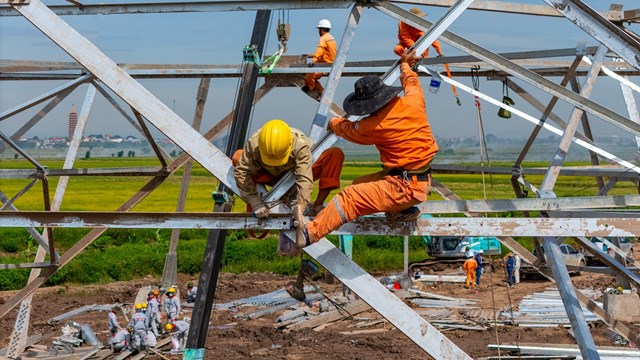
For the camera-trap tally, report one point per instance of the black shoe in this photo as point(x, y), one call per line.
point(409, 214)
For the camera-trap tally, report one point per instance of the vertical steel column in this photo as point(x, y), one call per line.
point(170, 271)
point(215, 243)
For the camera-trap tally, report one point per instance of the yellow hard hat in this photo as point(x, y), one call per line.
point(169, 327)
point(138, 306)
point(275, 142)
point(144, 305)
point(171, 290)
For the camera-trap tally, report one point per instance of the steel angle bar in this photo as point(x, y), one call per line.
point(320, 118)
point(36, 118)
point(569, 299)
point(36, 235)
point(509, 67)
point(134, 94)
point(530, 204)
point(632, 109)
point(576, 115)
point(606, 170)
point(613, 75)
point(15, 197)
point(536, 121)
point(25, 265)
point(595, 214)
point(149, 137)
point(46, 96)
point(442, 226)
point(608, 260)
point(189, 6)
point(133, 171)
point(385, 303)
point(23, 153)
point(601, 29)
point(388, 78)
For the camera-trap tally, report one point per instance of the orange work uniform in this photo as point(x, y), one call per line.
point(401, 132)
point(325, 53)
point(469, 267)
point(408, 35)
point(250, 170)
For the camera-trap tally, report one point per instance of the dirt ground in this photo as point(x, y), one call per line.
point(259, 338)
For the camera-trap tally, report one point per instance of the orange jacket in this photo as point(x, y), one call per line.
point(400, 129)
point(408, 35)
point(326, 51)
point(470, 266)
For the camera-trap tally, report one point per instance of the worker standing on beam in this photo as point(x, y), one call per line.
point(399, 128)
point(408, 35)
point(272, 152)
point(153, 313)
point(325, 54)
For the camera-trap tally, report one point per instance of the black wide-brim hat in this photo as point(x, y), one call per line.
point(370, 95)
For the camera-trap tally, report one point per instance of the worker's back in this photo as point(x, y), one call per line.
point(470, 265)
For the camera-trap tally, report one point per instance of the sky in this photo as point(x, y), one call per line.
point(218, 38)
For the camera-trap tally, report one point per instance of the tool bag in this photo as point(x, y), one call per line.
point(504, 113)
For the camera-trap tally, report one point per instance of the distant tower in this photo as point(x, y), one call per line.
point(73, 121)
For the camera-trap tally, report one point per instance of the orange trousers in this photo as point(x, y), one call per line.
point(311, 80)
point(326, 170)
point(400, 49)
point(368, 195)
point(471, 279)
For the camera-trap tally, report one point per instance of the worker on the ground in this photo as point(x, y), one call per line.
point(509, 262)
point(144, 308)
point(516, 268)
point(172, 305)
point(325, 54)
point(120, 339)
point(139, 324)
point(272, 152)
point(470, 265)
point(480, 268)
point(399, 128)
point(179, 331)
point(113, 320)
point(191, 292)
point(408, 35)
point(153, 314)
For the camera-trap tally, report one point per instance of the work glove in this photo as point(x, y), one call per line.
point(262, 212)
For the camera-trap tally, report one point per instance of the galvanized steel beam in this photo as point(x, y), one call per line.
point(601, 29)
point(371, 291)
point(442, 226)
point(189, 7)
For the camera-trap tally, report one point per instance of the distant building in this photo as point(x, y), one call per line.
point(73, 121)
point(132, 139)
point(116, 139)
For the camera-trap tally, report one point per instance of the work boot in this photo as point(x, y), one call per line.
point(409, 214)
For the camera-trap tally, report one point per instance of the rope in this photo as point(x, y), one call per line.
point(475, 78)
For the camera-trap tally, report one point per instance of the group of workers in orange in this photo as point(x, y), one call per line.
point(397, 125)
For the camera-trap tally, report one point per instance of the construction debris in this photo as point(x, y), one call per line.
point(546, 309)
point(556, 350)
point(82, 310)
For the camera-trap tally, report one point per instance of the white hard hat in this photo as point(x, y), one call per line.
point(480, 251)
point(324, 23)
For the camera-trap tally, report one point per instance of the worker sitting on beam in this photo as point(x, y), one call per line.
point(399, 128)
point(408, 35)
point(272, 152)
